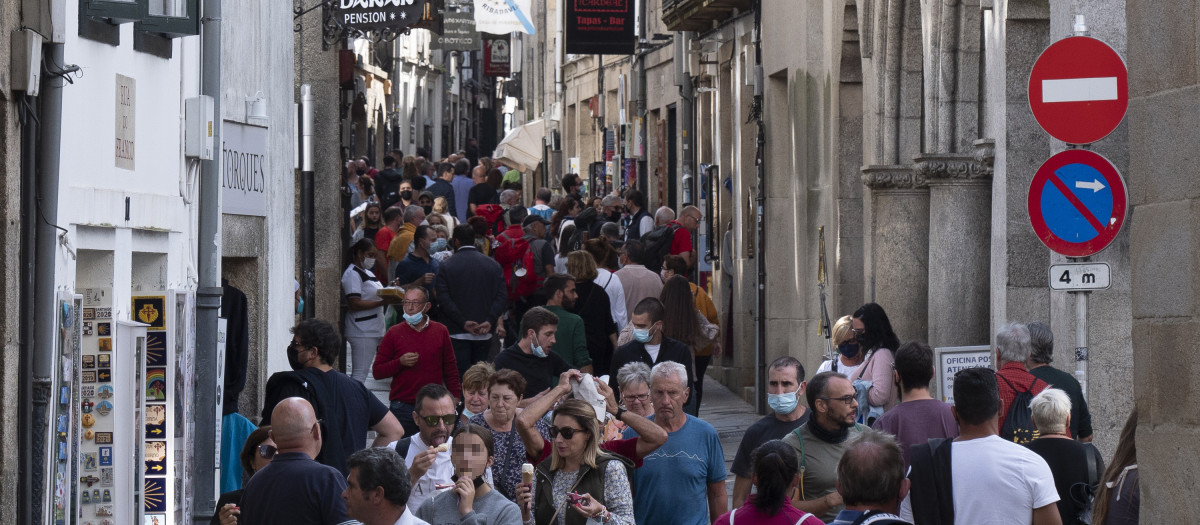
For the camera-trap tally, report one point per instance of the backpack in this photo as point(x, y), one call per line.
point(387, 186)
point(932, 493)
point(494, 214)
point(510, 252)
point(1018, 421)
point(1084, 494)
point(656, 244)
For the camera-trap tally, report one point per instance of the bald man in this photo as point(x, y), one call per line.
point(293, 488)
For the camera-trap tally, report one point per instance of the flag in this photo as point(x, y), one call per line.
point(503, 16)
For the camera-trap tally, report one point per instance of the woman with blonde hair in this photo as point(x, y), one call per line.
point(848, 357)
point(593, 306)
point(594, 483)
point(440, 206)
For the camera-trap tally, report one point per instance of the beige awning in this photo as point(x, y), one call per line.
point(522, 147)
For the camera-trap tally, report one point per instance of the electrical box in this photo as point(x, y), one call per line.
point(26, 61)
point(198, 127)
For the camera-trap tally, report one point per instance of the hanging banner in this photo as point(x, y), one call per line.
point(458, 33)
point(366, 15)
point(497, 56)
point(600, 27)
point(502, 16)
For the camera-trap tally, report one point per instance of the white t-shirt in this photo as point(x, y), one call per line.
point(998, 483)
point(362, 323)
point(827, 366)
point(653, 351)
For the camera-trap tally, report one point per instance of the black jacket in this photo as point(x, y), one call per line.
point(470, 287)
point(387, 187)
point(671, 350)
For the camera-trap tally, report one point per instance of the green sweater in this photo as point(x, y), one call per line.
point(570, 342)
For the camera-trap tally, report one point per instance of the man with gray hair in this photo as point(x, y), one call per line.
point(377, 488)
point(1012, 354)
point(870, 478)
point(1042, 340)
point(688, 468)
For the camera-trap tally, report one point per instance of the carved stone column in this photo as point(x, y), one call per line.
point(960, 214)
point(899, 231)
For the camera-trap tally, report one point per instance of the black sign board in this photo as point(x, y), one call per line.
point(367, 15)
point(458, 33)
point(600, 27)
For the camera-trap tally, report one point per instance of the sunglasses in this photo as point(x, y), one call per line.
point(567, 432)
point(266, 451)
point(448, 420)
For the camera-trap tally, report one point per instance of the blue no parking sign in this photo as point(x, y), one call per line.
point(1077, 203)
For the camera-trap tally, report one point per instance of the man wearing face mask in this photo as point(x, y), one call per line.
point(419, 268)
point(532, 356)
point(415, 353)
point(785, 384)
point(346, 407)
point(649, 345)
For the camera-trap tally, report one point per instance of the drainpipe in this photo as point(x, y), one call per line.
point(760, 198)
point(208, 266)
point(307, 254)
point(683, 79)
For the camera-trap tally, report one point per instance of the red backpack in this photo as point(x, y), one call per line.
point(512, 249)
point(494, 215)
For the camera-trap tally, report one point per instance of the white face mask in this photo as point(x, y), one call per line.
point(368, 263)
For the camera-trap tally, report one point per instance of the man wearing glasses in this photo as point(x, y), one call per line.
point(427, 453)
point(820, 443)
point(415, 353)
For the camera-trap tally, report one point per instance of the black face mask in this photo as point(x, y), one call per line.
point(477, 480)
point(428, 209)
point(362, 172)
point(293, 355)
point(406, 195)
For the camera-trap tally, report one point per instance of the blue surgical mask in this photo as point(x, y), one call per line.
point(848, 350)
point(300, 307)
point(413, 319)
point(783, 403)
point(537, 348)
point(437, 246)
point(642, 335)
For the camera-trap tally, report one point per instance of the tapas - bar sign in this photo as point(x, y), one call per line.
point(600, 27)
point(366, 15)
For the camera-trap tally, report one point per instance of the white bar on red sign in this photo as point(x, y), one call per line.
point(1079, 89)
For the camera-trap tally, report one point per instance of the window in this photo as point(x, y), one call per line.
point(172, 18)
point(114, 11)
point(164, 18)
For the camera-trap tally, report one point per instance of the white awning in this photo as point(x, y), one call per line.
point(522, 147)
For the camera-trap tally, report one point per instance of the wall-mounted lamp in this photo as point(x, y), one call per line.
point(256, 107)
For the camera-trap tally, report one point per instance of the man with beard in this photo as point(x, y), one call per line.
point(820, 443)
point(347, 409)
point(532, 356)
point(570, 342)
point(428, 462)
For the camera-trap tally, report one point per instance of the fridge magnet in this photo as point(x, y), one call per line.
point(105, 344)
point(149, 310)
point(156, 384)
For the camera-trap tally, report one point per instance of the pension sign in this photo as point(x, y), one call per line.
point(368, 15)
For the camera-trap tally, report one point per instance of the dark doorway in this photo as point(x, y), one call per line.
point(672, 157)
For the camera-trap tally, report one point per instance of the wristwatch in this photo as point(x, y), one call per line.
point(620, 412)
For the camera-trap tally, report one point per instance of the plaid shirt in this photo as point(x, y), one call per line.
point(1021, 380)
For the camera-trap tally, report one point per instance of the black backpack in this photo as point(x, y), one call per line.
point(656, 244)
point(387, 187)
point(1018, 423)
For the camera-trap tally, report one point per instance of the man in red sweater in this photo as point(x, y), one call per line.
point(413, 354)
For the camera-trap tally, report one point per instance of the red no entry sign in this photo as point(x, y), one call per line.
point(1077, 203)
point(1079, 90)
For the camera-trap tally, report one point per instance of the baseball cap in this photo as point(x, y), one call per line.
point(534, 218)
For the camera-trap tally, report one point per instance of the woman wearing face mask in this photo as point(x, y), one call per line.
point(440, 249)
point(506, 389)
point(364, 311)
point(848, 358)
point(577, 465)
point(471, 500)
point(876, 340)
point(475, 390)
point(406, 194)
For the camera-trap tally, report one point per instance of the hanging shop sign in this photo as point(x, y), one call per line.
point(497, 56)
point(504, 16)
point(244, 170)
point(458, 33)
point(600, 27)
point(372, 15)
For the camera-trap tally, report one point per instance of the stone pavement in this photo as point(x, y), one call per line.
point(726, 412)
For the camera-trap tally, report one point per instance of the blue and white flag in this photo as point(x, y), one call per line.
point(503, 16)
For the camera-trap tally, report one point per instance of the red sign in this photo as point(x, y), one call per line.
point(1079, 90)
point(1077, 203)
point(497, 56)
